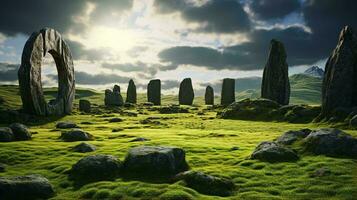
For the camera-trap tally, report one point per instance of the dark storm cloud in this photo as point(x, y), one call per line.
point(8, 72)
point(272, 9)
point(221, 16)
point(20, 16)
point(80, 52)
point(95, 79)
point(326, 19)
point(169, 84)
point(249, 55)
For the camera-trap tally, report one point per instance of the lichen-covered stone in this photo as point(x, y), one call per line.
point(154, 92)
point(6, 134)
point(186, 93)
point(339, 87)
point(275, 84)
point(131, 93)
point(274, 152)
point(20, 131)
point(209, 96)
point(228, 91)
point(37, 46)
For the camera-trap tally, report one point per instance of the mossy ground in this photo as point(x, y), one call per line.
point(208, 143)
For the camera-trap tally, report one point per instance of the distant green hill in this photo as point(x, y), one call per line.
point(304, 90)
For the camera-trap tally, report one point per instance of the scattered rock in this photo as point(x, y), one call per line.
point(66, 125)
point(130, 114)
point(275, 84)
point(20, 131)
point(207, 184)
point(6, 135)
point(323, 171)
point(115, 119)
point(273, 152)
point(172, 109)
point(234, 149)
point(87, 123)
point(131, 93)
point(149, 121)
point(139, 139)
point(37, 46)
point(228, 91)
point(154, 92)
point(148, 104)
point(291, 136)
point(117, 130)
point(26, 187)
point(84, 148)
point(331, 142)
point(186, 93)
point(300, 113)
point(250, 109)
point(339, 83)
point(209, 96)
point(75, 135)
point(155, 161)
point(95, 168)
point(129, 105)
point(84, 105)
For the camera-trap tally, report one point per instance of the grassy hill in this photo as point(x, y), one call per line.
point(304, 90)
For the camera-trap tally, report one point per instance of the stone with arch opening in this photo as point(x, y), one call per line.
point(37, 46)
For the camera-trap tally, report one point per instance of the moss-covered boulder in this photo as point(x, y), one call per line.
point(95, 168)
point(274, 152)
point(207, 184)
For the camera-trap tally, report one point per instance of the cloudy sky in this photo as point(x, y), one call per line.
point(113, 41)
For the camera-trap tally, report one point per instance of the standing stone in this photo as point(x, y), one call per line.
point(154, 92)
point(275, 84)
point(339, 87)
point(209, 96)
point(113, 98)
point(228, 91)
point(84, 105)
point(116, 88)
point(186, 94)
point(131, 92)
point(38, 46)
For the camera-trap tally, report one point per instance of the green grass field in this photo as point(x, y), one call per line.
point(206, 140)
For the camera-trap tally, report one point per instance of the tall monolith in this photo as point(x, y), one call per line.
point(339, 87)
point(209, 96)
point(46, 41)
point(275, 83)
point(186, 94)
point(131, 92)
point(154, 92)
point(228, 91)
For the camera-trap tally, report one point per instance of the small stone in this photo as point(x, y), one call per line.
point(20, 131)
point(2, 167)
point(115, 119)
point(95, 168)
point(275, 84)
point(154, 92)
point(84, 105)
point(116, 88)
point(155, 161)
point(323, 171)
point(66, 125)
point(131, 93)
point(84, 148)
point(26, 187)
point(117, 130)
point(234, 148)
point(76, 135)
point(139, 139)
point(207, 184)
point(228, 91)
point(273, 152)
point(186, 93)
point(209, 96)
point(6, 134)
